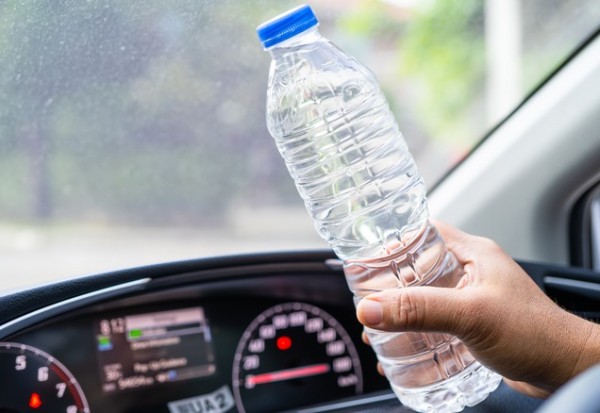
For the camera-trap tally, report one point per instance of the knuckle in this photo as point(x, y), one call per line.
point(407, 312)
point(488, 244)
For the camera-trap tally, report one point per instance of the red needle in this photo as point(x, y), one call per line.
point(288, 374)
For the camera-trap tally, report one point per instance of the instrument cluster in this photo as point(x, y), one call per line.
point(259, 342)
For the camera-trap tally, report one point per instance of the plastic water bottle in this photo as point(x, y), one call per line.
point(352, 167)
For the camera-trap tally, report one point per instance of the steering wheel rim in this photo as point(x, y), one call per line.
point(580, 395)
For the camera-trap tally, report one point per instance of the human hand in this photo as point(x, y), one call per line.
point(502, 316)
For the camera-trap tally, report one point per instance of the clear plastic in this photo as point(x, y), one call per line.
point(352, 167)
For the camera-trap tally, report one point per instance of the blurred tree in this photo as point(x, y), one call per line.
point(444, 48)
point(441, 46)
point(45, 57)
point(138, 112)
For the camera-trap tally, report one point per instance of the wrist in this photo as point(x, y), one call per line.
point(589, 355)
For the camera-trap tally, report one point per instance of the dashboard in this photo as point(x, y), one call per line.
point(238, 335)
point(253, 333)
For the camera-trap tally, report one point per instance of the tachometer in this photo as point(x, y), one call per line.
point(34, 381)
point(293, 355)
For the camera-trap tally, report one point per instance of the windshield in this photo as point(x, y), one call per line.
point(134, 132)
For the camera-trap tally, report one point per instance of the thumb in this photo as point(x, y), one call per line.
point(416, 309)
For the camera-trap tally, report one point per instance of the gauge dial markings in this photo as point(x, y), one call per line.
point(38, 381)
point(291, 355)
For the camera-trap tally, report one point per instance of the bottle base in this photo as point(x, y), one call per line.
point(469, 389)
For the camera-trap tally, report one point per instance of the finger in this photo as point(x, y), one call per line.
point(417, 309)
point(460, 243)
point(466, 247)
point(365, 338)
point(380, 369)
point(527, 389)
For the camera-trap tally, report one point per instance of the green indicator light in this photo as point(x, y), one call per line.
point(135, 333)
point(103, 340)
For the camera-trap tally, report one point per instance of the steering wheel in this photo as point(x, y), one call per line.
point(580, 395)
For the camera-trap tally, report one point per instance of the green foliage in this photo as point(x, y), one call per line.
point(371, 20)
point(440, 48)
point(443, 47)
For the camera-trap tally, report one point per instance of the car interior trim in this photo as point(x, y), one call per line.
point(583, 288)
point(61, 307)
point(359, 401)
point(595, 233)
point(557, 126)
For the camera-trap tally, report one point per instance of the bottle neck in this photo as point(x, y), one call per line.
point(311, 35)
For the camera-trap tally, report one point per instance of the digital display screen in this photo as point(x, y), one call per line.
point(142, 350)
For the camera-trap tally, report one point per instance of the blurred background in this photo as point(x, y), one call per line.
point(134, 132)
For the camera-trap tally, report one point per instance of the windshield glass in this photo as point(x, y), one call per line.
point(134, 132)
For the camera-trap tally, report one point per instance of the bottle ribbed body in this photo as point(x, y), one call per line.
point(343, 148)
point(429, 372)
point(352, 167)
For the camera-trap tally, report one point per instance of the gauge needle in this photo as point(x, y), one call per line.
point(287, 374)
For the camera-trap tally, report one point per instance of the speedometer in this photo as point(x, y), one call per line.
point(33, 380)
point(293, 355)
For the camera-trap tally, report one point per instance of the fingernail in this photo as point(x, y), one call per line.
point(371, 312)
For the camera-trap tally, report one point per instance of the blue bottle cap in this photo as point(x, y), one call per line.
point(286, 25)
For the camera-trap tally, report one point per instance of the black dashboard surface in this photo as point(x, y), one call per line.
point(270, 332)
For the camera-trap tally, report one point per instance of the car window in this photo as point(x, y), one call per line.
point(134, 132)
